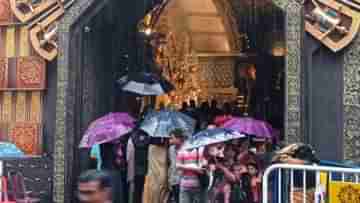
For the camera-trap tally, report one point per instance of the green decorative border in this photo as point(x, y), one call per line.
point(351, 141)
point(65, 93)
point(294, 32)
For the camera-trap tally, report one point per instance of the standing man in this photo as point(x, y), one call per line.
point(189, 162)
point(95, 187)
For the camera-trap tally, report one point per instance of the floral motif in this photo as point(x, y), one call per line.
point(30, 72)
point(25, 136)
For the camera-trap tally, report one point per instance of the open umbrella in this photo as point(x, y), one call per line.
point(211, 136)
point(160, 124)
point(250, 126)
point(106, 129)
point(10, 150)
point(146, 84)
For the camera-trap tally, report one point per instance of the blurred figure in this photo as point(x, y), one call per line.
point(227, 109)
point(95, 187)
point(214, 110)
point(184, 107)
point(176, 141)
point(137, 152)
point(203, 116)
point(191, 110)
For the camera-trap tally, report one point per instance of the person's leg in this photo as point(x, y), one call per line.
point(176, 193)
point(200, 196)
point(227, 193)
point(139, 182)
point(118, 188)
point(185, 196)
point(131, 192)
point(125, 189)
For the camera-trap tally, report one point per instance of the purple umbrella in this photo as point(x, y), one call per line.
point(251, 126)
point(107, 128)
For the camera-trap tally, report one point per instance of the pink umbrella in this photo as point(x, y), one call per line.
point(106, 129)
point(251, 126)
point(220, 120)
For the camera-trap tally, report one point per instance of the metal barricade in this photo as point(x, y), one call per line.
point(282, 177)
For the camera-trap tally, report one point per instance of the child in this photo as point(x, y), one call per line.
point(236, 187)
point(255, 181)
point(241, 186)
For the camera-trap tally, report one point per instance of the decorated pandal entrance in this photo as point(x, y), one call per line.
point(209, 54)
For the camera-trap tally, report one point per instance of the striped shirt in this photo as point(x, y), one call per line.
point(190, 179)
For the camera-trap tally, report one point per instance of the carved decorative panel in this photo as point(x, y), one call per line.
point(216, 72)
point(26, 136)
point(6, 16)
point(3, 73)
point(30, 72)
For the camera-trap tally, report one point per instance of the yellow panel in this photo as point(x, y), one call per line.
point(20, 106)
point(10, 42)
point(36, 112)
point(341, 192)
point(7, 107)
point(324, 178)
point(24, 42)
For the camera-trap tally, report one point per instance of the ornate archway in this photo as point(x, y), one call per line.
point(66, 84)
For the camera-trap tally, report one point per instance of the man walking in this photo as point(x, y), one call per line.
point(95, 187)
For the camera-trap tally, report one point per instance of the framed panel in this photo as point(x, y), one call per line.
point(30, 73)
point(3, 73)
point(26, 136)
point(6, 15)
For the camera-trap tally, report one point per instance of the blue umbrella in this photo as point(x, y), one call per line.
point(211, 136)
point(160, 124)
point(9, 150)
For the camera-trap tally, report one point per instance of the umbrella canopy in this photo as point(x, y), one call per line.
point(211, 136)
point(220, 120)
point(10, 150)
point(145, 84)
point(250, 126)
point(160, 124)
point(106, 129)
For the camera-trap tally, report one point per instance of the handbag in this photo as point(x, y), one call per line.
point(21, 195)
point(5, 195)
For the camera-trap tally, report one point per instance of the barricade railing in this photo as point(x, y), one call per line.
point(290, 183)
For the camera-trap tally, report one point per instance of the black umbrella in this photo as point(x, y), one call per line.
point(144, 83)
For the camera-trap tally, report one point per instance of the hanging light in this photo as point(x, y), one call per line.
point(148, 31)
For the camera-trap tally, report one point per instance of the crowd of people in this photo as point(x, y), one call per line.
point(148, 169)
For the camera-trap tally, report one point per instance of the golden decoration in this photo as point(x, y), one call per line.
point(349, 194)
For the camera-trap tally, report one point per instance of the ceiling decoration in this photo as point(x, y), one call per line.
point(211, 31)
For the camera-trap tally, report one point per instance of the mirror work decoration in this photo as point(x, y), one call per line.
point(335, 23)
point(40, 18)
